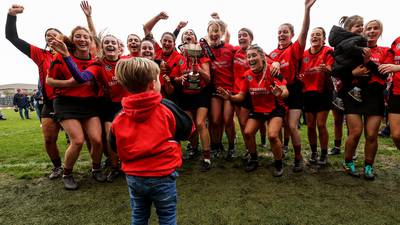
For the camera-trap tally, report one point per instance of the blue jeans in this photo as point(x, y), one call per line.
point(26, 112)
point(144, 191)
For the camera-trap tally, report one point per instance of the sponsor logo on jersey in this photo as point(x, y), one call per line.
point(273, 55)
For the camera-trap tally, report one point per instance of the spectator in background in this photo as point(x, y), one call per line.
point(21, 102)
point(37, 102)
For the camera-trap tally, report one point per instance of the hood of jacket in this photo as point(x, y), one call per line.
point(141, 106)
point(338, 34)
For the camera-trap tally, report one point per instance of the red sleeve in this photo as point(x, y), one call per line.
point(298, 50)
point(389, 57)
point(329, 58)
point(37, 54)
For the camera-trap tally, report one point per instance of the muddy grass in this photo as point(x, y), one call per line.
point(225, 195)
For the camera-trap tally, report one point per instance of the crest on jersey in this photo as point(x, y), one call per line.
point(273, 55)
point(108, 68)
point(398, 46)
point(305, 60)
point(180, 62)
point(249, 78)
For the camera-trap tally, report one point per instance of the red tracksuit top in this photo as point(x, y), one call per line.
point(145, 135)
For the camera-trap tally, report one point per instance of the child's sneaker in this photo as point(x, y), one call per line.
point(350, 169)
point(323, 160)
point(298, 166)
point(355, 93)
point(369, 172)
point(338, 103)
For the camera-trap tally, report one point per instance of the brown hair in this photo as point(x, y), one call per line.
point(136, 73)
point(290, 26)
point(347, 22)
point(68, 40)
point(169, 33)
point(323, 31)
point(247, 30)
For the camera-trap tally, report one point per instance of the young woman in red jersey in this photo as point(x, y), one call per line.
point(172, 63)
point(264, 91)
point(317, 86)
point(221, 76)
point(76, 107)
point(394, 94)
point(289, 54)
point(195, 94)
point(42, 58)
point(133, 45)
point(103, 70)
point(366, 115)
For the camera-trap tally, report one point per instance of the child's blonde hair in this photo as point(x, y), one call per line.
point(136, 73)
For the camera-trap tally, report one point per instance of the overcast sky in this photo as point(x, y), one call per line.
point(124, 17)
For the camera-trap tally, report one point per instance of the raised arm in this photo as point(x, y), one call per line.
point(11, 30)
point(306, 23)
point(87, 10)
point(178, 28)
point(148, 27)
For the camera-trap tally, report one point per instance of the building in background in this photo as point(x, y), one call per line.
point(7, 92)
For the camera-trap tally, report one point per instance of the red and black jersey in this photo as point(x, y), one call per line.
point(222, 66)
point(59, 71)
point(312, 79)
point(289, 59)
point(42, 59)
point(259, 88)
point(104, 71)
point(396, 77)
point(380, 55)
point(240, 66)
point(175, 61)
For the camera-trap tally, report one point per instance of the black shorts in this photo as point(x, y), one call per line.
point(295, 98)
point(66, 107)
point(47, 110)
point(189, 102)
point(108, 110)
point(394, 104)
point(317, 102)
point(372, 101)
point(279, 111)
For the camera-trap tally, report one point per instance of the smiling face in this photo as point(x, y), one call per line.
point(110, 48)
point(255, 60)
point(214, 33)
point(133, 43)
point(285, 35)
point(147, 50)
point(317, 39)
point(49, 35)
point(167, 43)
point(244, 39)
point(358, 27)
point(82, 40)
point(189, 37)
point(372, 32)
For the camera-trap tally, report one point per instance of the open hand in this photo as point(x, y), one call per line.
point(86, 8)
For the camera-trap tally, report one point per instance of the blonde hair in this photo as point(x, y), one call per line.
point(380, 24)
point(136, 73)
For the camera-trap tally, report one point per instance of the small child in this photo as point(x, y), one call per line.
point(349, 51)
point(146, 135)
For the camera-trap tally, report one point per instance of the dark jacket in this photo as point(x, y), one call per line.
point(348, 50)
point(20, 100)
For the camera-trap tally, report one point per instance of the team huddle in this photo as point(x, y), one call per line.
point(136, 108)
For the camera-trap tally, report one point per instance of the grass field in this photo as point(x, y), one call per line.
point(224, 195)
